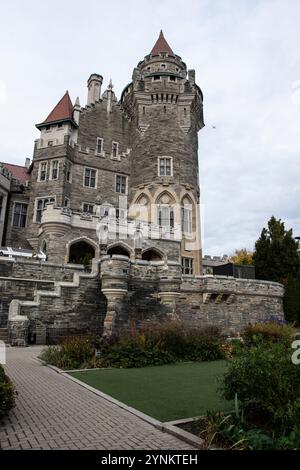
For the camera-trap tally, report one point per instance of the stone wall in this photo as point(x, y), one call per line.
point(22, 289)
point(39, 270)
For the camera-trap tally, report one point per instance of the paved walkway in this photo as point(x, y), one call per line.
point(52, 412)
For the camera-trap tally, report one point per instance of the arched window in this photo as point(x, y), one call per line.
point(165, 210)
point(187, 215)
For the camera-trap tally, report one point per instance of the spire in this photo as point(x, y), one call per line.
point(161, 45)
point(63, 110)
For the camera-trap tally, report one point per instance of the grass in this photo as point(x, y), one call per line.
point(164, 392)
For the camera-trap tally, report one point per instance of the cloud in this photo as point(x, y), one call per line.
point(247, 64)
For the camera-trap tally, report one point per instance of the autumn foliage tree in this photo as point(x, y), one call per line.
point(242, 256)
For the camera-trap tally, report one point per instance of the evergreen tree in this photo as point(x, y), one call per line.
point(276, 255)
point(276, 258)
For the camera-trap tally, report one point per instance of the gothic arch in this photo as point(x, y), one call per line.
point(144, 212)
point(78, 240)
point(153, 254)
point(122, 247)
point(165, 197)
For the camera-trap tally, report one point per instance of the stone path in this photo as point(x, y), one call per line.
point(52, 412)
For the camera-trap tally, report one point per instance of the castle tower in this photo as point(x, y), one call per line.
point(165, 105)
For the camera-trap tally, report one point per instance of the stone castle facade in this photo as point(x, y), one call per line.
point(114, 186)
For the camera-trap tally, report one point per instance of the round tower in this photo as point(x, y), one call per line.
point(165, 107)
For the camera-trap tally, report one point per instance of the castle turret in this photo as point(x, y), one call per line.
point(165, 105)
point(94, 88)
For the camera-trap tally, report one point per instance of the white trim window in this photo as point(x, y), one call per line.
point(43, 171)
point(115, 151)
point(121, 184)
point(19, 215)
point(54, 171)
point(40, 204)
point(187, 265)
point(69, 172)
point(165, 216)
point(99, 146)
point(90, 178)
point(87, 208)
point(165, 166)
point(186, 219)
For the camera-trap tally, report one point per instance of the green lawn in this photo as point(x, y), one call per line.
point(164, 392)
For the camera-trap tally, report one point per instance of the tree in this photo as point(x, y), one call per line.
point(276, 255)
point(242, 256)
point(276, 258)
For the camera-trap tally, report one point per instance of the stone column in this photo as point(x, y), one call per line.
point(115, 299)
point(114, 285)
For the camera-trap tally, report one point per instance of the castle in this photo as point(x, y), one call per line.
point(112, 198)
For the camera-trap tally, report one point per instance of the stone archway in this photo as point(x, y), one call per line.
point(81, 252)
point(151, 254)
point(118, 249)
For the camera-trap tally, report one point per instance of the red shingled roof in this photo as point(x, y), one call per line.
point(18, 172)
point(63, 110)
point(161, 45)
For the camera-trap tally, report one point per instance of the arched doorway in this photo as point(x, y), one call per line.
point(151, 255)
point(118, 250)
point(81, 252)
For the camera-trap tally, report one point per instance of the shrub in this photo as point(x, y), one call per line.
point(230, 432)
point(7, 393)
point(266, 382)
point(153, 344)
point(270, 332)
point(71, 353)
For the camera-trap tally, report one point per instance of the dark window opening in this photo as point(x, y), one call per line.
point(81, 253)
point(151, 255)
point(118, 250)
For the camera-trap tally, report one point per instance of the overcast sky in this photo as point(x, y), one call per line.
point(247, 60)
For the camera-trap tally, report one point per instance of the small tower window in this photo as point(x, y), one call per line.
point(87, 208)
point(115, 150)
point(172, 78)
point(99, 146)
point(121, 184)
point(144, 110)
point(48, 128)
point(69, 172)
point(89, 178)
point(50, 143)
point(184, 111)
point(187, 265)
point(156, 77)
point(165, 166)
point(60, 125)
point(20, 215)
point(43, 171)
point(163, 66)
point(54, 170)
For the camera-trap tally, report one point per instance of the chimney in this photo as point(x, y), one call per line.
point(27, 163)
point(192, 76)
point(94, 88)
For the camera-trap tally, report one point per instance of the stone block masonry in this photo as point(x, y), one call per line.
point(120, 292)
